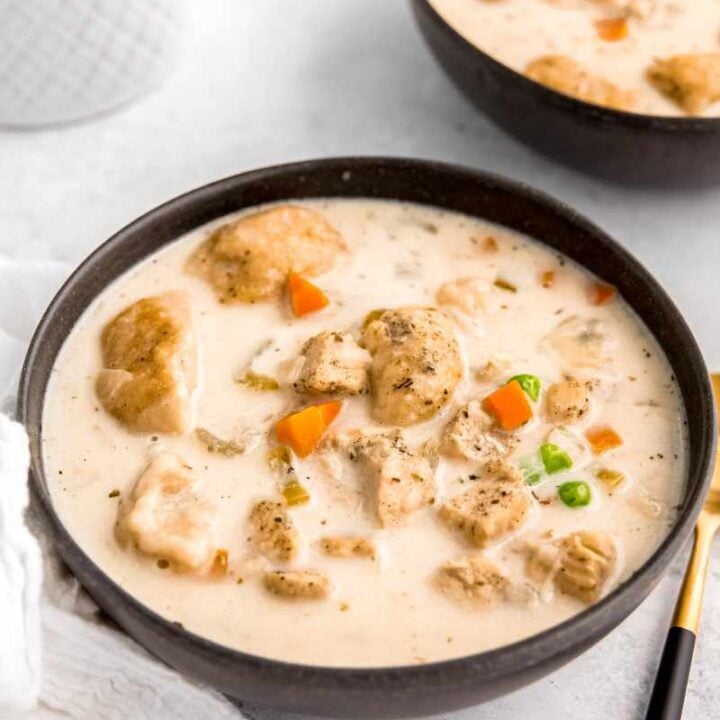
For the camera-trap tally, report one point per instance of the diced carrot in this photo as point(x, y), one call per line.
point(612, 29)
point(305, 298)
point(509, 405)
point(302, 430)
point(602, 439)
point(330, 410)
point(603, 293)
point(547, 278)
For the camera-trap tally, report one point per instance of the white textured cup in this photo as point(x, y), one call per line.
point(65, 60)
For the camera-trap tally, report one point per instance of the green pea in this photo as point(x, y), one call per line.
point(575, 493)
point(554, 458)
point(532, 469)
point(530, 384)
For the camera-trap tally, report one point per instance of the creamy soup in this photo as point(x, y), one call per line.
point(499, 440)
point(658, 57)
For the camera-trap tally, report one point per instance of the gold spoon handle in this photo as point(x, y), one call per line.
point(689, 603)
point(668, 695)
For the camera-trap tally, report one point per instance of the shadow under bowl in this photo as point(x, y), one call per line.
point(629, 148)
point(387, 691)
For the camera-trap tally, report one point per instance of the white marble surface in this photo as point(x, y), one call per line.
point(278, 80)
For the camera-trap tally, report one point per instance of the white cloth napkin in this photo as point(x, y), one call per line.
point(19, 577)
point(54, 647)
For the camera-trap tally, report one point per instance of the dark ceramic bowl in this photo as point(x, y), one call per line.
point(625, 147)
point(392, 691)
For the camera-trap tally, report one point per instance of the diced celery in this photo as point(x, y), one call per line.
point(295, 494)
point(610, 478)
point(256, 381)
point(532, 469)
point(214, 444)
point(279, 458)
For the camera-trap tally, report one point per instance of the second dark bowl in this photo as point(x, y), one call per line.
point(620, 146)
point(408, 691)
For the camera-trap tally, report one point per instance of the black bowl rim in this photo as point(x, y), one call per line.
point(582, 629)
point(700, 125)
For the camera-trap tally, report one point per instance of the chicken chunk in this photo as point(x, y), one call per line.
point(165, 517)
point(401, 480)
point(333, 364)
point(562, 73)
point(249, 259)
point(468, 295)
point(274, 533)
point(472, 435)
point(494, 507)
point(472, 580)
point(297, 584)
point(494, 368)
point(587, 561)
point(579, 564)
point(581, 344)
point(348, 546)
point(502, 471)
point(416, 364)
point(692, 81)
point(149, 360)
point(568, 401)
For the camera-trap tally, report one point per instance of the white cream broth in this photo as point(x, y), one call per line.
point(518, 31)
point(384, 612)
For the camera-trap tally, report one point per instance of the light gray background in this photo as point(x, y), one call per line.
point(276, 80)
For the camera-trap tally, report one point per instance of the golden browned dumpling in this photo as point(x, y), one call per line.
point(149, 360)
point(416, 364)
point(569, 77)
point(165, 517)
point(692, 81)
point(249, 259)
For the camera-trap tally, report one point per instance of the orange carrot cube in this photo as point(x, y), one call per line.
point(509, 406)
point(330, 411)
point(302, 430)
point(603, 293)
point(305, 298)
point(602, 439)
point(612, 29)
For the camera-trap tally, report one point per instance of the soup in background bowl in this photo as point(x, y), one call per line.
point(637, 108)
point(366, 432)
point(653, 57)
